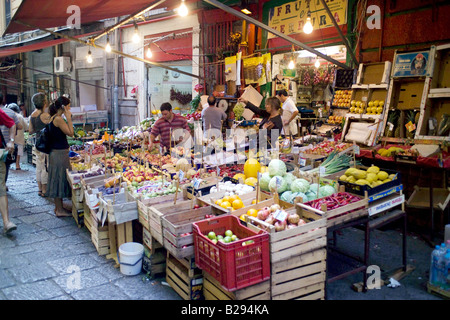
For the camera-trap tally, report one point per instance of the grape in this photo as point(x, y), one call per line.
point(238, 110)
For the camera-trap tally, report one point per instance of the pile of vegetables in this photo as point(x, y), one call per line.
point(335, 163)
point(327, 147)
point(232, 189)
point(238, 110)
point(334, 201)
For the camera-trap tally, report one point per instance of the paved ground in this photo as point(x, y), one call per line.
point(38, 261)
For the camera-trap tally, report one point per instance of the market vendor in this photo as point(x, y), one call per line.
point(290, 112)
point(271, 121)
point(167, 125)
point(213, 118)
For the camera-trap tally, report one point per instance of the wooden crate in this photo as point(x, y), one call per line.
point(78, 216)
point(212, 290)
point(374, 73)
point(157, 211)
point(183, 278)
point(99, 234)
point(301, 277)
point(149, 241)
point(296, 241)
point(154, 260)
point(145, 204)
point(438, 291)
point(177, 231)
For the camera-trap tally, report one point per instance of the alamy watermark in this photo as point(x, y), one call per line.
point(74, 20)
point(74, 280)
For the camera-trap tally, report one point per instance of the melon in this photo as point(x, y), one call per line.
point(251, 168)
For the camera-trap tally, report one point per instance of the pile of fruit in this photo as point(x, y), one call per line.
point(342, 98)
point(327, 147)
point(375, 107)
point(154, 189)
point(390, 151)
point(117, 162)
point(372, 177)
point(233, 202)
point(357, 107)
point(276, 216)
point(227, 237)
point(135, 174)
point(335, 119)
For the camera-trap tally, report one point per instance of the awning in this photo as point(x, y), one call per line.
point(53, 13)
point(5, 51)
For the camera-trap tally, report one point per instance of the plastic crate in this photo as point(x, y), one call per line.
point(360, 190)
point(233, 265)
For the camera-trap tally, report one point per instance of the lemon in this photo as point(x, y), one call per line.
point(371, 177)
point(343, 177)
point(373, 169)
point(225, 204)
point(351, 179)
point(362, 182)
point(237, 204)
point(252, 212)
point(382, 175)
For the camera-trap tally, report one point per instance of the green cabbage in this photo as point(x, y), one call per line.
point(287, 196)
point(311, 195)
point(281, 187)
point(277, 167)
point(326, 191)
point(264, 181)
point(289, 177)
point(299, 186)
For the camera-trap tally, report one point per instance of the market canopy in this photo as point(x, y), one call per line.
point(45, 14)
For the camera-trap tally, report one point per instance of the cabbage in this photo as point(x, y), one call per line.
point(277, 167)
point(313, 187)
point(281, 187)
point(264, 181)
point(326, 191)
point(299, 186)
point(311, 195)
point(289, 177)
point(287, 196)
point(300, 194)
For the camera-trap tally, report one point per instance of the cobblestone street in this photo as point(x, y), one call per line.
point(38, 260)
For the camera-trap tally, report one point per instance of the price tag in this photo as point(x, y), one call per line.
point(280, 215)
point(181, 175)
point(218, 171)
point(302, 162)
point(278, 181)
point(391, 126)
point(357, 150)
point(322, 170)
point(431, 124)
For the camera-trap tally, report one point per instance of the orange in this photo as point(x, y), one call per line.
point(225, 204)
point(243, 217)
point(254, 201)
point(252, 212)
point(226, 198)
point(219, 202)
point(234, 197)
point(237, 204)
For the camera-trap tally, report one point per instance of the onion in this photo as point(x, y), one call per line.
point(280, 226)
point(301, 222)
point(293, 218)
point(270, 220)
point(263, 214)
point(291, 226)
point(274, 207)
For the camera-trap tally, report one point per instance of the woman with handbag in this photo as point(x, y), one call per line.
point(58, 187)
point(38, 120)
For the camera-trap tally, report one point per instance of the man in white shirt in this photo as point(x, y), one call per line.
point(290, 112)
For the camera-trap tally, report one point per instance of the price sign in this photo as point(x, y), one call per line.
point(181, 175)
point(280, 215)
point(218, 171)
point(322, 170)
point(302, 162)
point(357, 149)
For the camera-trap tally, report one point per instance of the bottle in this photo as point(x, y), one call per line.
point(434, 265)
point(441, 265)
point(447, 233)
point(448, 244)
point(446, 277)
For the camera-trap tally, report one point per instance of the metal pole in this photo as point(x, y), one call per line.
point(275, 32)
point(126, 20)
point(344, 39)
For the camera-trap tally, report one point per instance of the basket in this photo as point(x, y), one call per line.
point(234, 265)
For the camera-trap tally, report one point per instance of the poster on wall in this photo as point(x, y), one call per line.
point(411, 64)
point(289, 17)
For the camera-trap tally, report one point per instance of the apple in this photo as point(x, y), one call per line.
point(228, 233)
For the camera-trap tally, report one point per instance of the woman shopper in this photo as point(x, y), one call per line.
point(38, 119)
point(58, 186)
point(20, 137)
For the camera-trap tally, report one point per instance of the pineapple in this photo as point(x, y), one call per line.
point(410, 117)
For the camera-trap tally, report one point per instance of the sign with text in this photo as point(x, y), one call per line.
point(290, 17)
point(413, 64)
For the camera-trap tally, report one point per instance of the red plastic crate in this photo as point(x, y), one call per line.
point(233, 265)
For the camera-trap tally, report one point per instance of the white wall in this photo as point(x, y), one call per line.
point(135, 70)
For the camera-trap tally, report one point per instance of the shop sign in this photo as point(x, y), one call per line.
point(290, 17)
point(386, 205)
point(411, 64)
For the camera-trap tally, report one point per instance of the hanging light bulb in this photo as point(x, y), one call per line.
point(136, 37)
point(308, 27)
point(89, 57)
point(182, 9)
point(317, 64)
point(291, 64)
point(108, 46)
point(149, 53)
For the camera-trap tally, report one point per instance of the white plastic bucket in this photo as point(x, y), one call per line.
point(130, 258)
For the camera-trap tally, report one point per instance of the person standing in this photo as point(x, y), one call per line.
point(290, 112)
point(38, 120)
point(58, 159)
point(166, 126)
point(20, 134)
point(6, 121)
point(213, 118)
point(6, 132)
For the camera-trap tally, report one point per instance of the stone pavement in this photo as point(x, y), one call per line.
point(37, 262)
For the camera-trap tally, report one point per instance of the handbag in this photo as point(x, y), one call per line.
point(43, 140)
point(11, 157)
